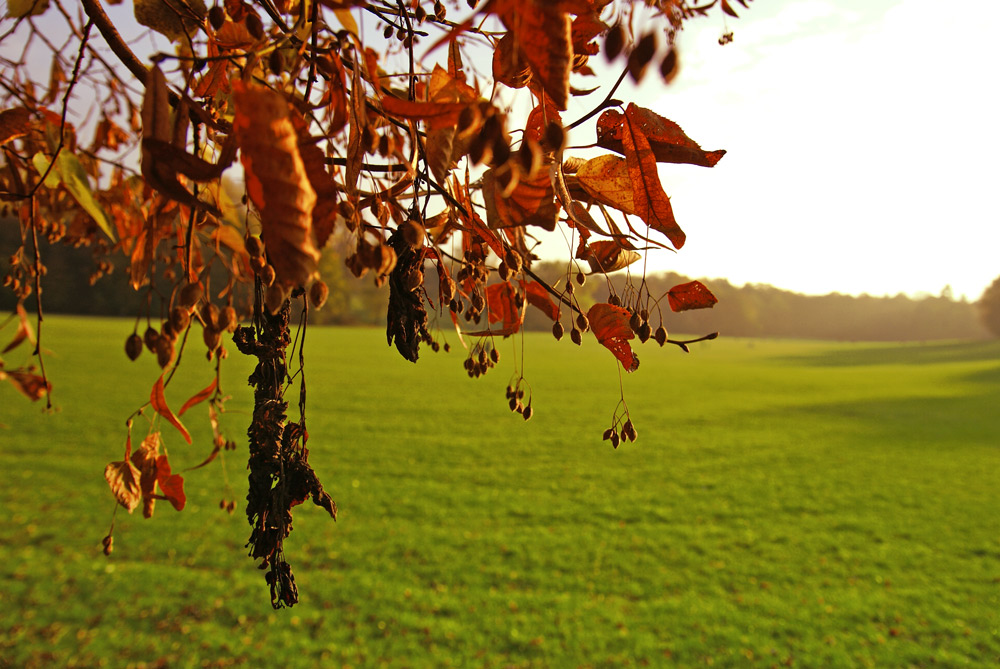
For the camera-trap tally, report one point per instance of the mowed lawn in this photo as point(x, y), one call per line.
point(787, 504)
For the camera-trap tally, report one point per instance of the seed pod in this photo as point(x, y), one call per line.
point(228, 320)
point(582, 322)
point(641, 55)
point(275, 62)
point(629, 430)
point(660, 335)
point(257, 264)
point(615, 439)
point(254, 25)
point(318, 292)
point(512, 403)
point(668, 67)
point(268, 275)
point(209, 314)
point(167, 331)
point(555, 136)
point(255, 247)
point(150, 337)
point(108, 543)
point(635, 322)
point(501, 151)
point(387, 33)
point(581, 278)
point(420, 14)
point(211, 337)
point(179, 318)
point(526, 414)
point(435, 346)
point(607, 433)
point(164, 351)
point(413, 233)
point(275, 297)
point(529, 155)
point(503, 271)
point(439, 10)
point(216, 17)
point(644, 332)
point(133, 346)
point(614, 42)
point(574, 334)
point(189, 295)
point(557, 330)
point(615, 301)
point(570, 288)
point(447, 347)
point(414, 279)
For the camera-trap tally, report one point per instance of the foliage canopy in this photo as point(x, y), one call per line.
point(393, 139)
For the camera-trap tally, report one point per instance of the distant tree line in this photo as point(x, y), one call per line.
point(753, 310)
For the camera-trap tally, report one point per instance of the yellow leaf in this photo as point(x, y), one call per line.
point(123, 478)
point(20, 8)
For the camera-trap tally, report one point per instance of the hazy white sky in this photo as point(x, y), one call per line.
point(863, 142)
point(861, 137)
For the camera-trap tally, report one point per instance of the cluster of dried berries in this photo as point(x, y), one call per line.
point(620, 433)
point(481, 359)
point(640, 55)
point(515, 399)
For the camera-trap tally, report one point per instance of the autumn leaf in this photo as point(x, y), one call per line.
point(538, 297)
point(69, 171)
point(501, 298)
point(33, 386)
point(541, 32)
point(691, 295)
point(123, 478)
point(144, 461)
point(532, 202)
point(159, 404)
point(22, 8)
point(199, 396)
point(433, 114)
point(277, 182)
point(610, 325)
point(172, 485)
point(666, 139)
point(14, 123)
point(24, 330)
point(651, 204)
point(609, 256)
point(606, 179)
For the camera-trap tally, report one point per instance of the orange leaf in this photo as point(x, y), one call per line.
point(502, 301)
point(610, 325)
point(607, 256)
point(123, 478)
point(651, 204)
point(159, 403)
point(542, 32)
point(606, 179)
point(532, 202)
point(539, 298)
point(277, 182)
point(172, 485)
point(144, 460)
point(24, 330)
point(667, 140)
point(692, 295)
point(14, 123)
point(199, 397)
point(434, 114)
point(32, 386)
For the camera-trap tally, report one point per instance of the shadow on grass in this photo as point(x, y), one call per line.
point(903, 354)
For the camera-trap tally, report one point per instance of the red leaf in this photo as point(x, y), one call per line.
point(542, 32)
point(159, 403)
point(172, 485)
point(667, 140)
point(610, 325)
point(539, 298)
point(501, 299)
point(144, 460)
point(693, 295)
point(14, 123)
point(651, 204)
point(199, 397)
point(532, 202)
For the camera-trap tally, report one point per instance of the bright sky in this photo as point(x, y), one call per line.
point(862, 145)
point(863, 142)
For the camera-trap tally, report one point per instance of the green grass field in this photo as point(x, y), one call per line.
point(787, 504)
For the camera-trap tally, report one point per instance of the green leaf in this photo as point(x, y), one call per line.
point(69, 171)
